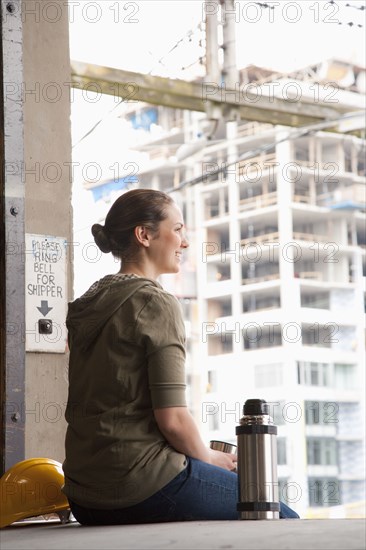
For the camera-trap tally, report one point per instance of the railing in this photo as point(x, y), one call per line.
point(159, 153)
point(317, 275)
point(258, 201)
point(301, 198)
point(262, 308)
point(253, 280)
point(326, 199)
point(309, 237)
point(252, 164)
point(210, 215)
point(305, 163)
point(313, 165)
point(317, 304)
point(260, 238)
point(355, 192)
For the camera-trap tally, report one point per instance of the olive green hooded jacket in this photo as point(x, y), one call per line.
point(126, 338)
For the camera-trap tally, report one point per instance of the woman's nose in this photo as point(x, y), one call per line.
point(185, 242)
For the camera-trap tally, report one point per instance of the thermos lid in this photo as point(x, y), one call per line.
point(255, 407)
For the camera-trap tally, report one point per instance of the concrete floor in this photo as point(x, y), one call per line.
point(328, 534)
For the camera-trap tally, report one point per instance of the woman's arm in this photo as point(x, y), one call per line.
point(180, 430)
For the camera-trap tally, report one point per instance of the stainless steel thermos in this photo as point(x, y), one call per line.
point(257, 463)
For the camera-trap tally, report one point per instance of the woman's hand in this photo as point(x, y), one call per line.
point(227, 461)
point(180, 430)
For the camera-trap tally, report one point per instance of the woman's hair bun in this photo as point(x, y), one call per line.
point(101, 238)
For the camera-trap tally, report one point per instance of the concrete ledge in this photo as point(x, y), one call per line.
point(338, 534)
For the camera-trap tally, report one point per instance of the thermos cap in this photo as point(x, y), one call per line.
point(255, 407)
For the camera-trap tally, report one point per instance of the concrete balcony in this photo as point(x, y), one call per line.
point(263, 279)
point(258, 201)
point(259, 239)
point(261, 163)
point(314, 275)
point(353, 195)
point(312, 237)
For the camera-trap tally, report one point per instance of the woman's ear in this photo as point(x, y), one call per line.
point(142, 235)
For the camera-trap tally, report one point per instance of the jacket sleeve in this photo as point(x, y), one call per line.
point(160, 330)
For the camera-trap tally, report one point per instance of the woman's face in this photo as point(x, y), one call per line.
point(165, 250)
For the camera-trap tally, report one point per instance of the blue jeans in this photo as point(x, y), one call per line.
point(200, 492)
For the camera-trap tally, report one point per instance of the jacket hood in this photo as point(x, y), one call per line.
point(88, 314)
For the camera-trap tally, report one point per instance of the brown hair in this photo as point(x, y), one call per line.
point(146, 207)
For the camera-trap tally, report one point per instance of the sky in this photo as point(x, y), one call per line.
point(139, 35)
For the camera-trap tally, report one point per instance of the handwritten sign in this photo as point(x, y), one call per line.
point(45, 293)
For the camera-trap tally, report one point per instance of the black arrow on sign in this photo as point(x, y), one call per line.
point(44, 309)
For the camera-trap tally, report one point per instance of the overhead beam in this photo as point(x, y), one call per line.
point(180, 94)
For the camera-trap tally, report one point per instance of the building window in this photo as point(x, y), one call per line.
point(212, 381)
point(313, 374)
point(361, 164)
point(321, 412)
point(217, 271)
point(257, 337)
point(276, 409)
point(257, 302)
point(321, 451)
point(259, 273)
point(344, 376)
point(282, 493)
point(218, 307)
point(217, 240)
point(317, 301)
point(219, 344)
point(215, 203)
point(301, 150)
point(324, 491)
point(318, 335)
point(288, 492)
point(281, 451)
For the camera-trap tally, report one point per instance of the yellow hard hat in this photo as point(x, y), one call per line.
point(31, 488)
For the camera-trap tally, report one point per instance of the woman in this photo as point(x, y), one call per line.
point(133, 451)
